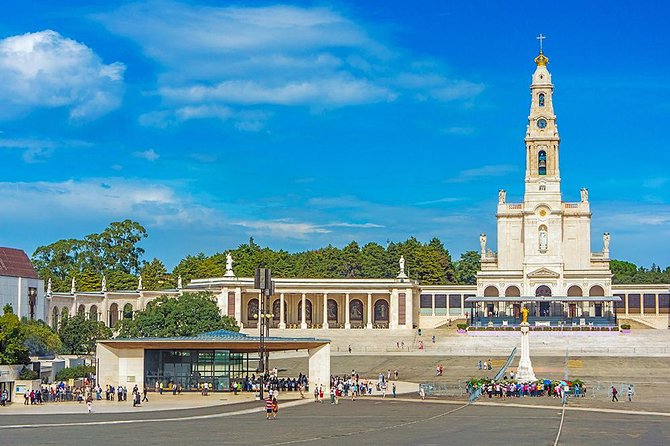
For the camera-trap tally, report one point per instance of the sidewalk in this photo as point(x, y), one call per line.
point(167, 401)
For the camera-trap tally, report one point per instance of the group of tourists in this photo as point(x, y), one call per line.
point(509, 389)
point(272, 382)
point(485, 365)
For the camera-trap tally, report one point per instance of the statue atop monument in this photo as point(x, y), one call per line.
point(229, 266)
point(401, 263)
point(524, 315)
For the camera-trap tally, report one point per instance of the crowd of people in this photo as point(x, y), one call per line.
point(509, 389)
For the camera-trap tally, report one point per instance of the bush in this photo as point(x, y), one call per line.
point(81, 371)
point(28, 375)
point(462, 326)
point(625, 326)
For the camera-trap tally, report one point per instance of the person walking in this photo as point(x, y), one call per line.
point(268, 408)
point(614, 393)
point(89, 403)
point(630, 393)
point(144, 394)
point(422, 393)
point(275, 408)
point(394, 390)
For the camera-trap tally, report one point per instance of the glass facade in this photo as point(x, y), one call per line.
point(193, 368)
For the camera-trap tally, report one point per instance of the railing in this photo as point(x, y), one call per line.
point(515, 206)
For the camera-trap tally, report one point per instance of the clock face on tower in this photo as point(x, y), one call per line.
point(541, 123)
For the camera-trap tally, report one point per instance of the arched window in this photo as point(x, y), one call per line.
point(93, 313)
point(64, 314)
point(128, 311)
point(541, 100)
point(332, 310)
point(54, 318)
point(491, 291)
point(542, 163)
point(308, 311)
point(543, 291)
point(81, 311)
point(113, 314)
point(276, 305)
point(596, 290)
point(381, 311)
point(512, 291)
point(356, 310)
point(252, 310)
point(575, 291)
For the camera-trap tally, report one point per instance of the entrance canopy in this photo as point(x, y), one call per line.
point(473, 299)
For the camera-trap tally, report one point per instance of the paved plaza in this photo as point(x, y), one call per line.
point(363, 422)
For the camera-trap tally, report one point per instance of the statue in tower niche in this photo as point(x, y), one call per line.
point(482, 243)
point(502, 196)
point(606, 242)
point(585, 194)
point(543, 239)
point(229, 266)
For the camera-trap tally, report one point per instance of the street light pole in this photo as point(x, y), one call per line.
point(263, 283)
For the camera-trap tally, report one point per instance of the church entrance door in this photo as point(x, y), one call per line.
point(599, 310)
point(544, 309)
point(572, 310)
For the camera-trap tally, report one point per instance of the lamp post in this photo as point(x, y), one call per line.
point(263, 283)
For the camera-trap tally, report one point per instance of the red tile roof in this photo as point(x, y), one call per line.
point(15, 263)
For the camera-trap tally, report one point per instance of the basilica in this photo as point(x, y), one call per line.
point(543, 262)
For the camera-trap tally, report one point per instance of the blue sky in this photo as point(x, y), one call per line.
point(308, 123)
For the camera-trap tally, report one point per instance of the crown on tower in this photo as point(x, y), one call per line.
point(541, 60)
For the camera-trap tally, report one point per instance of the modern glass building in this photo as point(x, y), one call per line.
point(218, 358)
point(191, 369)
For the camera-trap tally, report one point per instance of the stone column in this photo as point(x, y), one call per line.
point(222, 302)
point(282, 322)
point(238, 306)
point(303, 321)
point(409, 308)
point(625, 302)
point(641, 304)
point(325, 310)
point(657, 306)
point(432, 299)
point(369, 310)
point(462, 304)
point(347, 323)
point(394, 309)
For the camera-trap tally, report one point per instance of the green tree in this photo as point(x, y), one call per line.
point(374, 262)
point(467, 267)
point(186, 315)
point(154, 275)
point(121, 280)
point(39, 338)
point(187, 268)
point(351, 261)
point(12, 346)
point(79, 334)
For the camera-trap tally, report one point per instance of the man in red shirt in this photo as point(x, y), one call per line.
point(268, 408)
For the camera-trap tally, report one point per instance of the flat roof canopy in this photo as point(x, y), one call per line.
point(544, 299)
point(217, 340)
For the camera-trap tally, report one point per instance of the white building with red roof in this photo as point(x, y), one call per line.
point(20, 285)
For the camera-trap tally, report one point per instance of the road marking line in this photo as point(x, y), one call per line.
point(560, 426)
point(152, 420)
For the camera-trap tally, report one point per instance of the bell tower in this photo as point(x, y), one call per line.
point(543, 180)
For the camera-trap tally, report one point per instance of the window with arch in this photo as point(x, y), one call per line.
point(542, 163)
point(543, 187)
point(540, 100)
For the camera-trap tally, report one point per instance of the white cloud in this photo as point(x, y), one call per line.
point(37, 149)
point(215, 58)
point(109, 197)
point(45, 69)
point(487, 171)
point(149, 155)
point(283, 228)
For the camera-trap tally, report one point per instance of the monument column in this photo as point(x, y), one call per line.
point(369, 310)
point(347, 323)
point(525, 371)
point(303, 322)
point(325, 310)
point(282, 322)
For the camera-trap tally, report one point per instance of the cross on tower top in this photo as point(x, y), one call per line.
point(541, 38)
